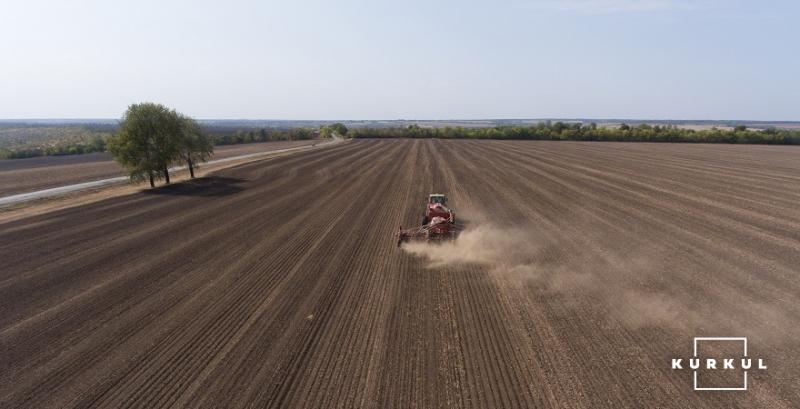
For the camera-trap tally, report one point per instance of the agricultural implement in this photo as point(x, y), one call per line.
point(438, 223)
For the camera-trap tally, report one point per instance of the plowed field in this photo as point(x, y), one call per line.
point(44, 172)
point(584, 268)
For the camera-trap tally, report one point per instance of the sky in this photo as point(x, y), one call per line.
point(646, 59)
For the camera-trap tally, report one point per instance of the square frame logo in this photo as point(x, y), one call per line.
point(744, 350)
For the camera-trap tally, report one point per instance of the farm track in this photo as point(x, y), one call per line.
point(280, 284)
point(45, 172)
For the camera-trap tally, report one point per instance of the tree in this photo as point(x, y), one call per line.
point(195, 146)
point(148, 141)
point(333, 130)
point(339, 129)
point(299, 134)
point(325, 131)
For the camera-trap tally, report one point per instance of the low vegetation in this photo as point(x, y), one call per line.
point(337, 130)
point(19, 140)
point(235, 135)
point(560, 131)
point(25, 141)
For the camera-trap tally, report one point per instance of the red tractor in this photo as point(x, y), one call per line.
point(439, 222)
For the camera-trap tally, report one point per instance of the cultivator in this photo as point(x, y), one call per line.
point(438, 223)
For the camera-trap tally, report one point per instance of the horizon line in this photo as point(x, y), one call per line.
point(609, 119)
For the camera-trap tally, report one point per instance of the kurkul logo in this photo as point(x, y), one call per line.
point(731, 364)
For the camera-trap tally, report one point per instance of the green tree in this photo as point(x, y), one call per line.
point(299, 134)
point(148, 141)
point(325, 131)
point(339, 129)
point(195, 146)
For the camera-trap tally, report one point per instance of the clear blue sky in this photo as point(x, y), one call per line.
point(403, 59)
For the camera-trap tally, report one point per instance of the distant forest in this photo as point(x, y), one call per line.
point(25, 140)
point(560, 131)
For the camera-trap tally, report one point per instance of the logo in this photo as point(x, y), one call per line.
point(720, 363)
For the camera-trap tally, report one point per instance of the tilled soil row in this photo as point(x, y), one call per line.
point(278, 283)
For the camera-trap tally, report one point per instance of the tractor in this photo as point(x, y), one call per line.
point(438, 222)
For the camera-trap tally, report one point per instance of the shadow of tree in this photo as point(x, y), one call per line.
point(203, 187)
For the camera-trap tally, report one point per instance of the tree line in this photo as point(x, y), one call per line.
point(233, 136)
point(153, 137)
point(222, 135)
point(238, 136)
point(96, 144)
point(56, 141)
point(561, 131)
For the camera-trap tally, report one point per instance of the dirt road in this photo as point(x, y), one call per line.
point(28, 175)
point(278, 283)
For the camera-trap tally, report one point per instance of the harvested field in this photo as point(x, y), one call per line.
point(28, 175)
point(584, 269)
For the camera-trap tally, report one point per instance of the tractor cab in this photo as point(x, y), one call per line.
point(437, 198)
point(437, 207)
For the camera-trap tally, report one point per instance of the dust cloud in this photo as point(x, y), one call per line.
point(503, 250)
point(635, 285)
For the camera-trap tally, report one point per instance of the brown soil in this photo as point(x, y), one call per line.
point(28, 175)
point(278, 284)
